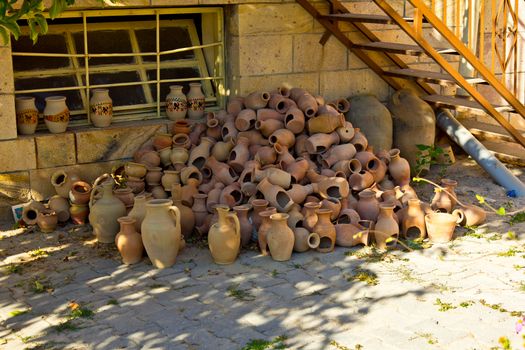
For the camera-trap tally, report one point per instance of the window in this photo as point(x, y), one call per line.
point(136, 54)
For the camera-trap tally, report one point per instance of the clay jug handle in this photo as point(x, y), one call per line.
point(176, 214)
point(235, 219)
point(460, 215)
point(96, 188)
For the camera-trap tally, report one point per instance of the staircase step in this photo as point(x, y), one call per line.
point(363, 18)
point(459, 103)
point(430, 77)
point(402, 49)
point(489, 132)
point(508, 152)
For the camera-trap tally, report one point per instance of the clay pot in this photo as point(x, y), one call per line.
point(263, 229)
point(200, 154)
point(187, 218)
point(298, 193)
point(58, 204)
point(359, 140)
point(280, 103)
point(335, 187)
point(296, 93)
point(80, 192)
point(161, 141)
point(399, 168)
point(214, 129)
point(150, 159)
point(231, 195)
point(179, 155)
point(223, 172)
point(176, 103)
point(181, 126)
point(165, 156)
point(338, 153)
point(334, 205)
point(307, 104)
point(310, 215)
point(441, 226)
point(190, 173)
point(275, 195)
point(135, 169)
point(297, 170)
point(196, 101)
point(368, 206)
point(442, 201)
point(304, 240)
point(47, 220)
point(386, 226)
point(275, 176)
point(259, 205)
point(268, 127)
point(300, 144)
point(319, 143)
point(199, 208)
point(26, 115)
point(471, 215)
point(62, 182)
point(235, 105)
point(224, 237)
point(254, 136)
point(169, 178)
point(129, 241)
point(101, 108)
point(229, 131)
point(125, 195)
point(266, 155)
point(239, 155)
point(139, 211)
point(280, 238)
point(153, 176)
point(79, 213)
point(346, 132)
point(267, 114)
point(349, 235)
point(56, 114)
point(221, 150)
point(414, 217)
point(182, 140)
point(284, 157)
point(104, 214)
point(326, 231)
point(360, 181)
point(161, 232)
point(245, 120)
point(342, 105)
point(158, 192)
point(257, 100)
point(294, 120)
point(142, 150)
point(245, 224)
point(137, 185)
point(214, 196)
point(325, 123)
point(389, 196)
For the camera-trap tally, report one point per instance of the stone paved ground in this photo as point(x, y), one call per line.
point(462, 295)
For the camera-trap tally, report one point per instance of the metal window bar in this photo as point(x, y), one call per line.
point(217, 79)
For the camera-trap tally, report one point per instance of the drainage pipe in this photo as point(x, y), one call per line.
point(476, 150)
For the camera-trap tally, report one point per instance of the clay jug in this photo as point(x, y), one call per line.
point(319, 143)
point(231, 195)
point(346, 132)
point(104, 214)
point(259, 205)
point(153, 176)
point(280, 238)
point(414, 123)
point(239, 155)
point(200, 154)
point(56, 114)
point(359, 140)
point(135, 169)
point(348, 216)
point(399, 168)
point(229, 131)
point(262, 231)
point(161, 232)
point(245, 120)
point(267, 114)
point(125, 195)
point(101, 108)
point(80, 192)
point(308, 104)
point(129, 241)
point(360, 181)
point(266, 155)
point(214, 129)
point(150, 159)
point(176, 103)
point(199, 208)
point(341, 104)
point(47, 220)
point(325, 123)
point(335, 187)
point(294, 120)
point(338, 153)
point(221, 150)
point(26, 115)
point(61, 207)
point(334, 205)
point(275, 176)
point(223, 172)
point(275, 195)
point(471, 215)
point(326, 231)
point(441, 226)
point(414, 217)
point(349, 235)
point(297, 170)
point(187, 218)
point(374, 120)
point(79, 213)
point(62, 182)
point(257, 100)
point(162, 140)
point(268, 127)
point(310, 215)
point(298, 193)
point(196, 101)
point(245, 224)
point(138, 212)
point(190, 174)
point(235, 105)
point(304, 240)
point(179, 155)
point(280, 103)
point(169, 178)
point(386, 226)
point(443, 200)
point(368, 206)
point(224, 237)
point(284, 157)
point(214, 196)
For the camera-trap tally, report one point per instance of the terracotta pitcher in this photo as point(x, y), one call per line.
point(441, 226)
point(246, 226)
point(129, 241)
point(187, 217)
point(104, 214)
point(138, 212)
point(442, 200)
point(224, 237)
point(386, 226)
point(62, 182)
point(161, 232)
point(368, 206)
point(280, 238)
point(264, 228)
point(399, 168)
point(326, 231)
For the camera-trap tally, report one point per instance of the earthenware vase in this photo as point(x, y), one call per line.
point(334, 205)
point(26, 115)
point(30, 212)
point(138, 212)
point(125, 195)
point(308, 104)
point(472, 215)
point(158, 192)
point(162, 141)
point(414, 217)
point(280, 238)
point(129, 241)
point(56, 114)
point(101, 108)
point(239, 155)
point(221, 150)
point(79, 213)
point(231, 195)
point(223, 172)
point(349, 235)
point(259, 205)
point(280, 103)
point(335, 187)
point(325, 123)
point(284, 137)
point(176, 103)
point(62, 182)
point(181, 126)
point(386, 226)
point(399, 168)
point(169, 178)
point(190, 173)
point(224, 236)
point(196, 101)
point(310, 215)
point(304, 240)
point(338, 153)
point(245, 120)
point(187, 217)
point(80, 192)
point(135, 169)
point(368, 206)
point(47, 220)
point(60, 206)
point(214, 196)
point(199, 154)
point(137, 185)
point(319, 143)
point(326, 231)
point(199, 208)
point(245, 224)
point(442, 200)
point(257, 100)
point(150, 159)
point(268, 127)
point(228, 130)
point(361, 180)
point(275, 176)
point(266, 155)
point(104, 214)
point(161, 232)
point(346, 132)
point(235, 105)
point(275, 195)
point(298, 193)
point(441, 226)
point(153, 176)
point(263, 229)
point(359, 140)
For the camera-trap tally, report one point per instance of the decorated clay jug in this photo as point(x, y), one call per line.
point(26, 115)
point(56, 114)
point(101, 108)
point(176, 103)
point(196, 101)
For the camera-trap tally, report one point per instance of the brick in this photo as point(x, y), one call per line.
point(349, 83)
point(19, 154)
point(270, 54)
point(308, 81)
point(260, 19)
point(310, 56)
point(7, 117)
point(116, 142)
point(6, 75)
point(14, 189)
point(40, 179)
point(55, 150)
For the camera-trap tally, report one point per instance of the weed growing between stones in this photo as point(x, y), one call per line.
point(240, 294)
point(368, 277)
point(444, 306)
point(427, 336)
point(38, 253)
point(76, 311)
point(13, 268)
point(342, 347)
point(261, 344)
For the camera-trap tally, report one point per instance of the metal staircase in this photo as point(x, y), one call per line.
point(419, 80)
